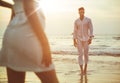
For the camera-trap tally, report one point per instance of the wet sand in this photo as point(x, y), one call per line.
point(101, 69)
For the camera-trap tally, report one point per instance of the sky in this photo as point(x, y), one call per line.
point(61, 14)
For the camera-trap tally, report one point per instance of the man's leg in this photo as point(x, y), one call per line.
point(81, 67)
point(86, 49)
point(80, 60)
point(80, 57)
point(47, 76)
point(85, 69)
point(15, 76)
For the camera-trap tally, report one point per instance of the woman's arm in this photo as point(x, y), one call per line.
point(38, 30)
point(7, 5)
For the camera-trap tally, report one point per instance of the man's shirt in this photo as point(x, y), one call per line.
point(83, 29)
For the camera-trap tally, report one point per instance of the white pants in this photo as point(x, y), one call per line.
point(83, 49)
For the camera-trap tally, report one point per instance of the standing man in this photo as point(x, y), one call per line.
point(82, 37)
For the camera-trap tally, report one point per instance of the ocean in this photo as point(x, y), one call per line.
point(102, 44)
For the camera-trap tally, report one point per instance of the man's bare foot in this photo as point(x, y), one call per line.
point(85, 72)
point(82, 72)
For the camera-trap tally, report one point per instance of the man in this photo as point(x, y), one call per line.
point(82, 37)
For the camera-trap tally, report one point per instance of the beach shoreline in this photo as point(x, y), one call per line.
point(101, 69)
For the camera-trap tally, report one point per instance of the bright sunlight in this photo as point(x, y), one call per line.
point(50, 5)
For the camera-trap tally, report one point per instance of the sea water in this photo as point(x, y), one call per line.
point(102, 44)
point(107, 44)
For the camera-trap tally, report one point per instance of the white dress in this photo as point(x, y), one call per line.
point(21, 50)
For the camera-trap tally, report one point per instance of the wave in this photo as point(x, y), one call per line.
point(116, 38)
point(101, 45)
point(93, 53)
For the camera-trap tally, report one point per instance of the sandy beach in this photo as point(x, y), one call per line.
point(101, 69)
point(104, 51)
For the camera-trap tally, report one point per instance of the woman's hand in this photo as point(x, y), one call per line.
point(46, 58)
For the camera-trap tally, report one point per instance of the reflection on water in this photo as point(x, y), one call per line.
point(83, 79)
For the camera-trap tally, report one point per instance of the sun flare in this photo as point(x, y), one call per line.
point(50, 5)
point(47, 5)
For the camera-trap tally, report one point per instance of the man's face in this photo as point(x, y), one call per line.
point(81, 12)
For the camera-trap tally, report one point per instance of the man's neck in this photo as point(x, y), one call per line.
point(81, 17)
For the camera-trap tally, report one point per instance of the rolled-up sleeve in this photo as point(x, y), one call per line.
point(91, 28)
point(75, 31)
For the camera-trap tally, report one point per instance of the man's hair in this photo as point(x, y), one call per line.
point(81, 8)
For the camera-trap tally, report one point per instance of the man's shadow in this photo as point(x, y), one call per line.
point(83, 79)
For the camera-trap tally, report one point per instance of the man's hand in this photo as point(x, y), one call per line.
point(75, 43)
point(90, 41)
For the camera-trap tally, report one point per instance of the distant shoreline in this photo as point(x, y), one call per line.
point(105, 54)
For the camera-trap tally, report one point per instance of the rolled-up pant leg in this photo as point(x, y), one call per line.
point(86, 49)
point(83, 46)
point(80, 57)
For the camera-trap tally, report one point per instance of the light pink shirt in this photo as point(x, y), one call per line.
point(83, 29)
